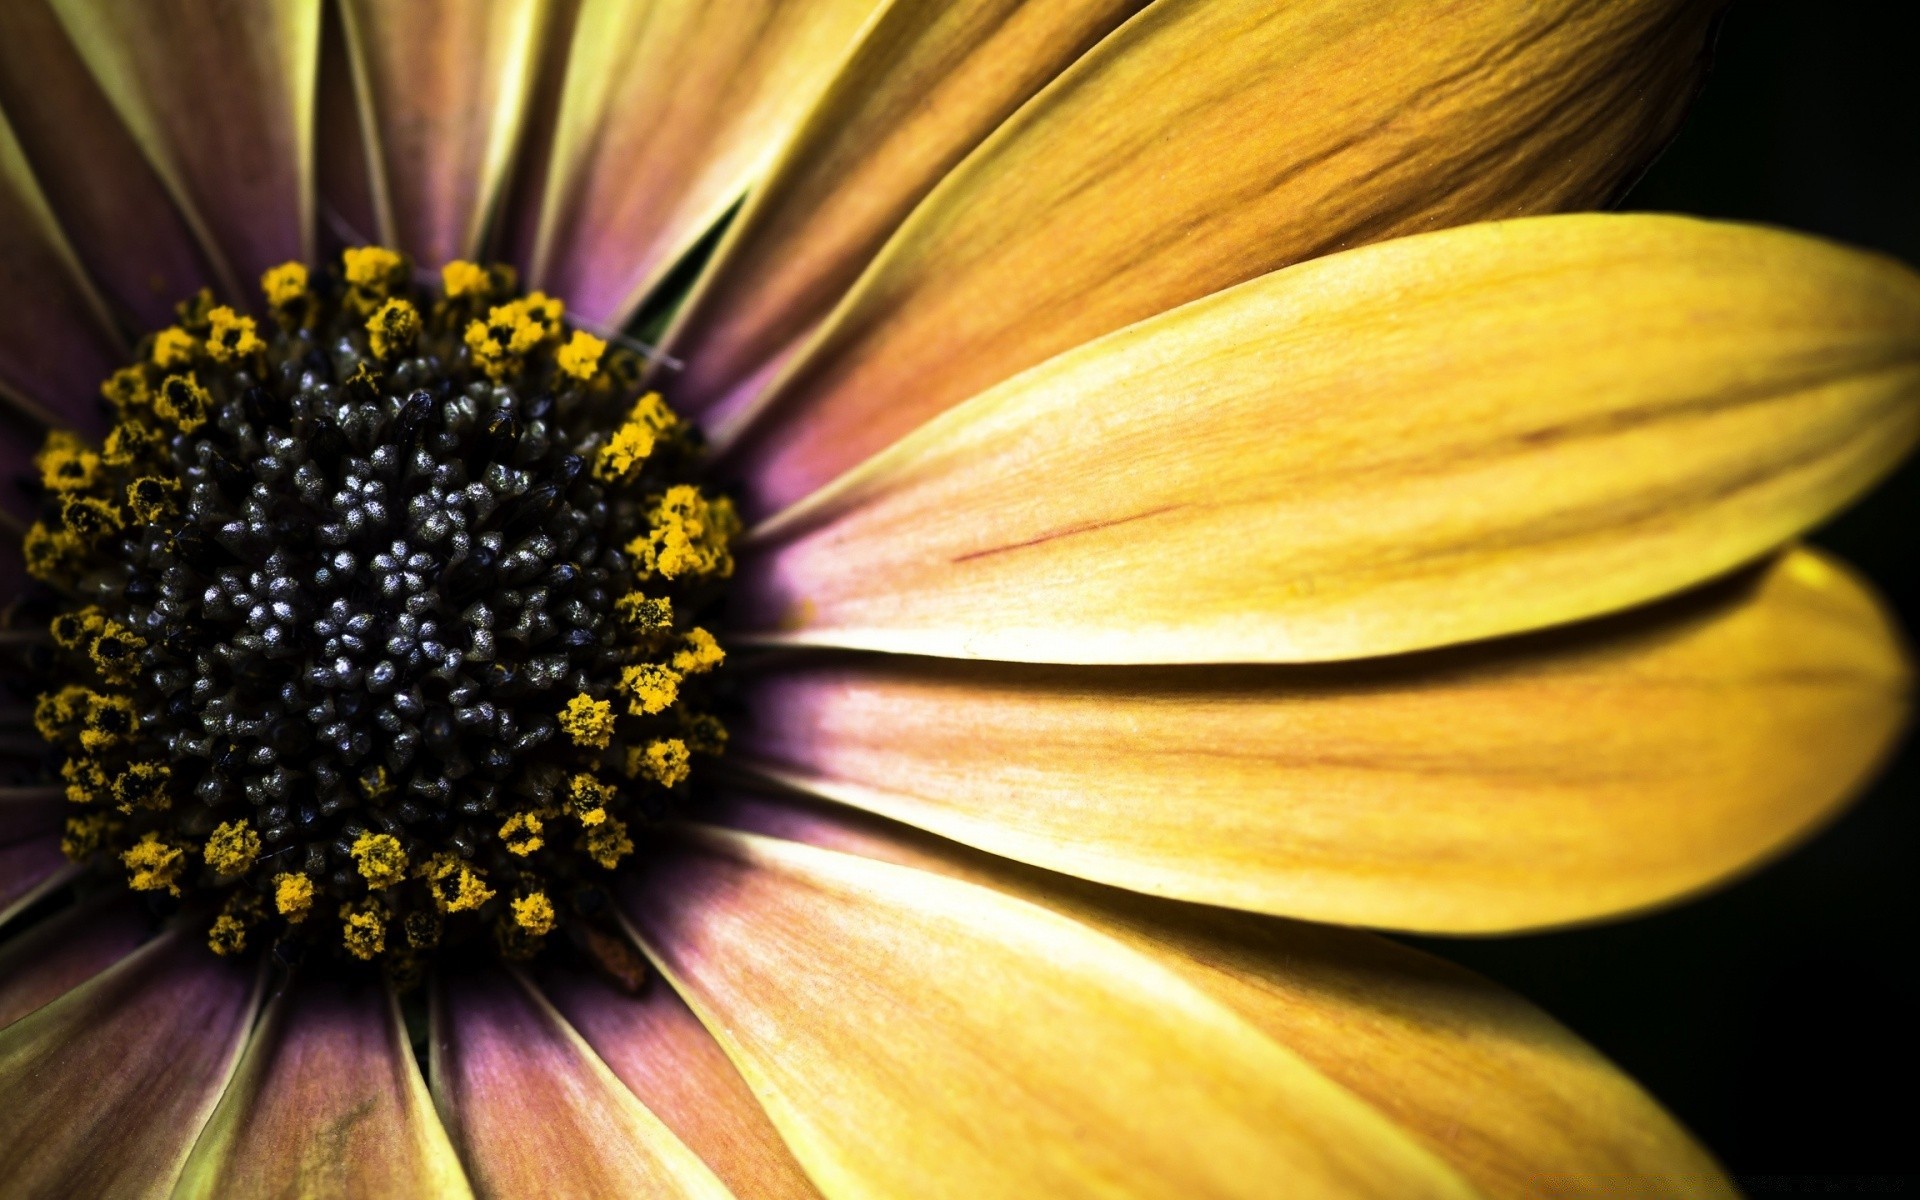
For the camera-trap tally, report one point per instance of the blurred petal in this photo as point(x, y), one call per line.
point(535, 1113)
point(890, 1019)
point(327, 1102)
point(925, 85)
point(1529, 782)
point(1447, 437)
point(219, 94)
point(671, 109)
point(658, 1048)
point(103, 1091)
point(341, 170)
point(47, 960)
point(1208, 142)
point(57, 342)
point(124, 226)
point(1485, 1080)
point(442, 85)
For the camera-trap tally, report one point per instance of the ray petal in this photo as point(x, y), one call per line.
point(51, 958)
point(891, 1018)
point(670, 110)
point(103, 1091)
point(1443, 438)
point(534, 1112)
point(1207, 142)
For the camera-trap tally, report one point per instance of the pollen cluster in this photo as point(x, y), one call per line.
point(376, 615)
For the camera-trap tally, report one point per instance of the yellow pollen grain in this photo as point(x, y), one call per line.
point(588, 722)
point(173, 347)
point(154, 865)
point(393, 328)
point(650, 688)
point(285, 284)
point(232, 337)
point(699, 653)
point(521, 833)
point(183, 403)
point(381, 858)
point(227, 936)
point(460, 279)
point(231, 848)
point(607, 842)
point(364, 929)
point(533, 912)
point(293, 895)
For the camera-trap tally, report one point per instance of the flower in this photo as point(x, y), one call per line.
point(1182, 477)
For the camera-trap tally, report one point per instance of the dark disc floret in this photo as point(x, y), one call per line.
point(376, 620)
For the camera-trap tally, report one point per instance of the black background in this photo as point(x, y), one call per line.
point(1776, 1017)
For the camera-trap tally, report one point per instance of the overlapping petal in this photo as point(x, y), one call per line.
point(1488, 1082)
point(220, 98)
point(443, 88)
point(103, 1091)
point(533, 1112)
point(923, 88)
point(1442, 438)
point(890, 1019)
point(1530, 782)
point(327, 1101)
point(667, 1059)
point(670, 110)
point(1208, 142)
point(30, 860)
point(44, 962)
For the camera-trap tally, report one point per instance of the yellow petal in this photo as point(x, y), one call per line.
point(51, 958)
point(223, 108)
point(56, 340)
point(442, 87)
point(924, 87)
point(890, 1019)
point(103, 1091)
point(1494, 1086)
point(1208, 142)
point(670, 110)
point(1529, 782)
point(1438, 439)
point(124, 227)
point(534, 1113)
point(328, 1101)
point(658, 1048)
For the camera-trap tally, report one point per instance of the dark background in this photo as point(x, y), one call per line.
point(1776, 1017)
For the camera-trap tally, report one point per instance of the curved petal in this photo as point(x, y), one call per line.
point(535, 1113)
point(891, 1018)
point(1523, 783)
point(1211, 141)
point(103, 1091)
point(658, 1048)
point(56, 344)
point(125, 227)
point(1496, 1087)
point(670, 110)
point(1443, 438)
point(442, 90)
point(328, 1101)
point(55, 956)
point(925, 85)
point(220, 98)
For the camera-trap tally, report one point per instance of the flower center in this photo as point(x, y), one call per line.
point(374, 626)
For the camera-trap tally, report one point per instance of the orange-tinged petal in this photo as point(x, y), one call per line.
point(103, 1091)
point(1496, 1087)
point(220, 98)
point(123, 225)
point(56, 340)
point(925, 85)
point(533, 1112)
point(442, 88)
point(670, 110)
point(667, 1059)
point(49, 959)
point(1208, 142)
point(890, 1019)
point(1442, 438)
point(1527, 782)
point(328, 1101)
